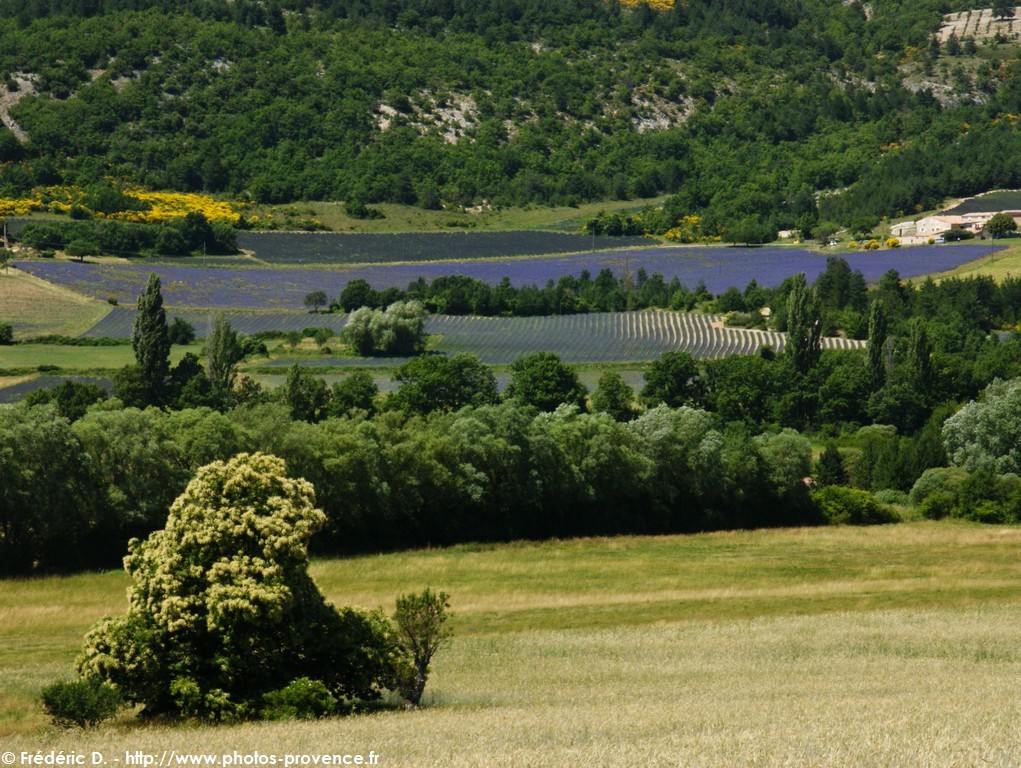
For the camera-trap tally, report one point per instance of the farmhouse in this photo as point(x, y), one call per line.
point(930, 226)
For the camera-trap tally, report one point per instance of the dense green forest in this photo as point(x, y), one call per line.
point(749, 114)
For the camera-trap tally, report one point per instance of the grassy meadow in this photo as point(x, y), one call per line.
point(997, 265)
point(406, 218)
point(893, 645)
point(80, 359)
point(36, 307)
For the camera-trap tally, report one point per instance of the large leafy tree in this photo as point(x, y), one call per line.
point(673, 380)
point(47, 506)
point(222, 609)
point(150, 338)
point(986, 433)
point(542, 379)
point(435, 382)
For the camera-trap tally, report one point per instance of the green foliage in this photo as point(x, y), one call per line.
point(397, 330)
point(315, 300)
point(223, 353)
point(80, 703)
point(420, 621)
point(151, 341)
point(1001, 225)
point(436, 382)
point(47, 520)
point(937, 480)
point(71, 398)
point(300, 699)
point(804, 325)
point(613, 396)
point(355, 392)
point(6, 334)
point(544, 381)
point(752, 152)
point(851, 506)
point(180, 331)
point(222, 610)
point(673, 380)
point(305, 395)
point(986, 433)
point(830, 468)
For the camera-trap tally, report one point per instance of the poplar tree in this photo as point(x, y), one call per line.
point(223, 353)
point(804, 325)
point(150, 338)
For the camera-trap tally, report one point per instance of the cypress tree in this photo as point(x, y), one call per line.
point(878, 332)
point(150, 338)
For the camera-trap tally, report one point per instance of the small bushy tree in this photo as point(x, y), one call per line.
point(222, 609)
point(420, 620)
point(80, 703)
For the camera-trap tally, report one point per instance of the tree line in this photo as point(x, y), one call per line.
point(447, 457)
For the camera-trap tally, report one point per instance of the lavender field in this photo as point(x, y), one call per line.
point(286, 287)
point(349, 248)
point(592, 338)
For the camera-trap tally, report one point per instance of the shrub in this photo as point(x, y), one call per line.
point(937, 480)
point(80, 703)
point(851, 506)
point(891, 496)
point(181, 331)
point(421, 632)
point(6, 334)
point(301, 699)
point(892, 242)
point(938, 505)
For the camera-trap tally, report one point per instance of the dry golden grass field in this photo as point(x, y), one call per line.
point(891, 646)
point(35, 307)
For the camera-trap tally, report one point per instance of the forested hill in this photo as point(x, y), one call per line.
point(743, 110)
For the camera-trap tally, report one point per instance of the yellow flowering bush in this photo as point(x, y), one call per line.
point(659, 5)
point(687, 230)
point(164, 206)
point(161, 206)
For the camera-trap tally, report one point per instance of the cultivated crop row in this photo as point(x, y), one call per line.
point(285, 288)
point(334, 248)
point(605, 337)
point(602, 337)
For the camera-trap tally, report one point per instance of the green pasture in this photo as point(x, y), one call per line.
point(892, 645)
point(405, 218)
point(997, 265)
point(73, 359)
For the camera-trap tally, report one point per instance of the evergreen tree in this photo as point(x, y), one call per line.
point(919, 358)
point(830, 469)
point(878, 332)
point(150, 338)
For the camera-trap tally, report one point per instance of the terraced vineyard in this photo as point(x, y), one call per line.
point(602, 337)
